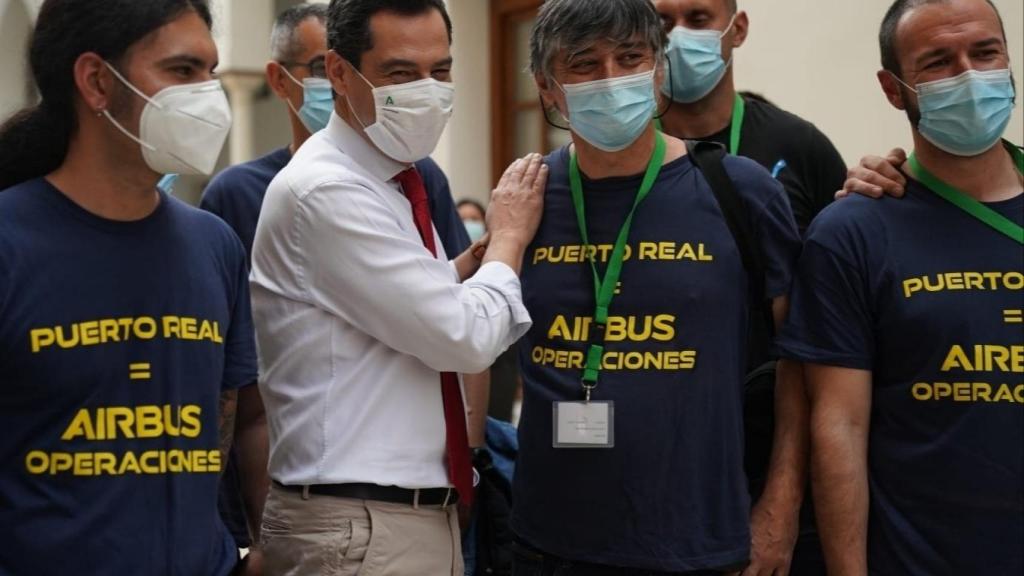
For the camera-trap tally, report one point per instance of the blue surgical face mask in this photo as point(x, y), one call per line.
point(967, 114)
point(167, 183)
point(612, 113)
point(317, 102)
point(475, 229)
point(695, 59)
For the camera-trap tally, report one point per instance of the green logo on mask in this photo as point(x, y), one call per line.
point(389, 101)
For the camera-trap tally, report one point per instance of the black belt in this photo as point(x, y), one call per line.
point(394, 494)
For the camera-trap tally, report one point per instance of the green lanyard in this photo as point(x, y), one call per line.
point(739, 110)
point(604, 290)
point(976, 209)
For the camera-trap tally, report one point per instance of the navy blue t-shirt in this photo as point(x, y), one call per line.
point(671, 495)
point(236, 195)
point(116, 341)
point(445, 216)
point(929, 300)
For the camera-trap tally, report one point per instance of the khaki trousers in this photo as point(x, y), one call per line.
point(347, 537)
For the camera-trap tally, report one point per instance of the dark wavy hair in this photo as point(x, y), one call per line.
point(34, 141)
point(348, 23)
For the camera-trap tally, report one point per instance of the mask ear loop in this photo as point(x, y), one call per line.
point(729, 27)
point(348, 101)
point(547, 110)
point(300, 85)
point(732, 21)
point(104, 112)
point(290, 77)
point(547, 115)
point(132, 86)
point(671, 91)
point(900, 80)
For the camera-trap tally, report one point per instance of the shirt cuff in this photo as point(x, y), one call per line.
point(499, 277)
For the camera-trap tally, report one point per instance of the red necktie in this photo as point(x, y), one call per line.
point(460, 468)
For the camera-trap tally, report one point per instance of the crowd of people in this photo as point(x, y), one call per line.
point(737, 356)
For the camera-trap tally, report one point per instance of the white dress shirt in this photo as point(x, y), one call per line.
point(355, 319)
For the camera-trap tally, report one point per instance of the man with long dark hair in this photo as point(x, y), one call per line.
point(125, 328)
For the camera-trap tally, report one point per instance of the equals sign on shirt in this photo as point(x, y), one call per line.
point(139, 371)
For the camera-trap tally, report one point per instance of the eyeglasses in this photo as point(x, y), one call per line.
point(317, 66)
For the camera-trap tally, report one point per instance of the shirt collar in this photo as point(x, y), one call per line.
point(361, 150)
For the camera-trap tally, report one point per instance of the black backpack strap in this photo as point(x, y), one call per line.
point(707, 157)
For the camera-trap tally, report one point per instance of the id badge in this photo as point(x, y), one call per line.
point(584, 424)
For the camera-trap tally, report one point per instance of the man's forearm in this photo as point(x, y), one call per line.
point(840, 484)
point(478, 396)
point(252, 448)
point(226, 412)
point(508, 250)
point(787, 471)
point(467, 263)
point(775, 518)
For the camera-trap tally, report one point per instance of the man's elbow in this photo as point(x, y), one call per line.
point(835, 443)
point(251, 415)
point(253, 422)
point(462, 355)
point(471, 358)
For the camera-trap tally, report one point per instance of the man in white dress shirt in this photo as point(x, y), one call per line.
point(361, 318)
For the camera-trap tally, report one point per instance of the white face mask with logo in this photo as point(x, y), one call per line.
point(410, 117)
point(182, 128)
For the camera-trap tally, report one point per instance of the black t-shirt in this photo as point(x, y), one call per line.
point(812, 171)
point(116, 340)
point(929, 300)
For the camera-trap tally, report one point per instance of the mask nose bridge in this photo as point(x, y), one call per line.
point(962, 64)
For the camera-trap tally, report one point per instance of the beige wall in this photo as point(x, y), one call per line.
point(15, 28)
point(818, 58)
point(465, 149)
